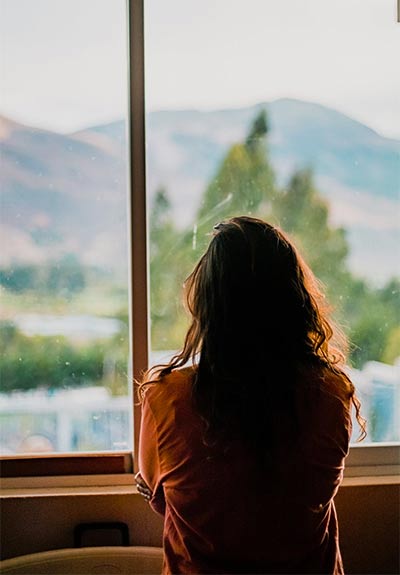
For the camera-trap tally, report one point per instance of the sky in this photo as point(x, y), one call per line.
point(63, 63)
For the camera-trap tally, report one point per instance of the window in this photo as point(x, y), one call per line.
point(311, 82)
point(64, 271)
point(328, 169)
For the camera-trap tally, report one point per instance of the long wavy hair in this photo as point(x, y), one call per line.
point(259, 318)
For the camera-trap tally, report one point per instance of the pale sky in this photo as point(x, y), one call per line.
point(63, 62)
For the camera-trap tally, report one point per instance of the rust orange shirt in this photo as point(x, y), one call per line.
point(223, 514)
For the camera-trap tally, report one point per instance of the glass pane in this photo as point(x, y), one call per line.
point(312, 83)
point(64, 257)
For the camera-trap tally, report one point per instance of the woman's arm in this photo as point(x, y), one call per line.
point(149, 477)
point(325, 450)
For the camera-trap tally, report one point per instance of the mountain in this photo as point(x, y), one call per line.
point(357, 169)
point(61, 194)
point(75, 183)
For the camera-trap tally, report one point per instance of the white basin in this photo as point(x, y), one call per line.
point(87, 561)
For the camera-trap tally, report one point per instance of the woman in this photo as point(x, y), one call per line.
point(244, 450)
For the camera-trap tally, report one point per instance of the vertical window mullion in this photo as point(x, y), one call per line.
point(139, 304)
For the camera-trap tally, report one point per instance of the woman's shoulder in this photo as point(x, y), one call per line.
point(328, 380)
point(332, 382)
point(338, 384)
point(174, 383)
point(325, 404)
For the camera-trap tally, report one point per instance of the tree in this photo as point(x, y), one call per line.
point(19, 278)
point(49, 362)
point(373, 316)
point(167, 274)
point(391, 353)
point(367, 314)
point(65, 276)
point(244, 182)
point(302, 212)
point(258, 132)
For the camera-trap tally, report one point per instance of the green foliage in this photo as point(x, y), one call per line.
point(19, 278)
point(304, 214)
point(258, 131)
point(32, 362)
point(367, 314)
point(65, 277)
point(54, 362)
point(244, 179)
point(374, 317)
point(391, 352)
point(168, 269)
point(245, 184)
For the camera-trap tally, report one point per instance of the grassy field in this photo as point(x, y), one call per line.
point(101, 300)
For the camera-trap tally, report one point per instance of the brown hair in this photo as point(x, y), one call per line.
point(258, 317)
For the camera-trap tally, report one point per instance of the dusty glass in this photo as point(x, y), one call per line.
point(288, 111)
point(64, 258)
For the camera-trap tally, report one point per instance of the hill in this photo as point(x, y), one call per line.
point(67, 192)
point(61, 194)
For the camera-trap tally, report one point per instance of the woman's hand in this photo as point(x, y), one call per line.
point(142, 487)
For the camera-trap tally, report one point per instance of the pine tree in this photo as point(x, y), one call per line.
point(166, 252)
point(244, 182)
point(258, 132)
point(366, 313)
point(302, 212)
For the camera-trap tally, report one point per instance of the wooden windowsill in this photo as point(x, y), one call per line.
point(63, 464)
point(68, 491)
point(370, 480)
point(106, 485)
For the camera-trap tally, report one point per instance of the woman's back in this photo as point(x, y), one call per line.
point(245, 451)
point(224, 513)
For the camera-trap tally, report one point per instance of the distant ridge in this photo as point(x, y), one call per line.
point(76, 183)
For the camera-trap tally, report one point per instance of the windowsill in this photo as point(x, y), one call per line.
point(125, 485)
point(373, 461)
point(66, 464)
point(365, 465)
point(17, 487)
point(370, 480)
